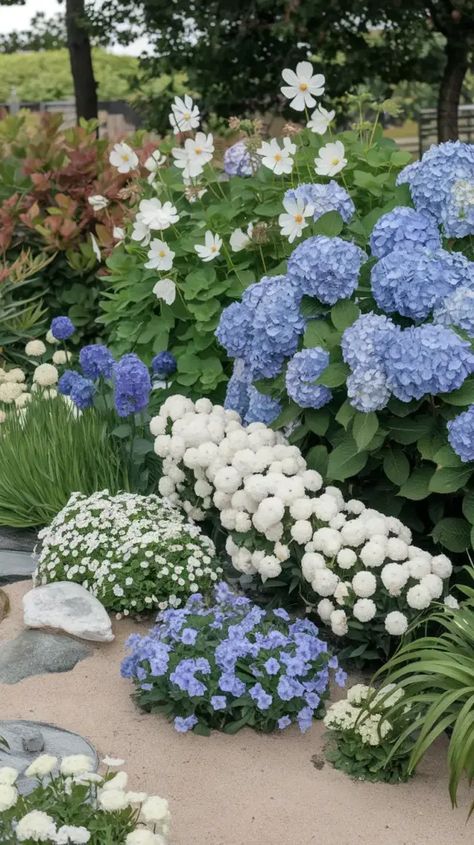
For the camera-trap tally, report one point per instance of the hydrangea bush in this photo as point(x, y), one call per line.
point(71, 804)
point(355, 566)
point(231, 664)
point(361, 736)
point(135, 553)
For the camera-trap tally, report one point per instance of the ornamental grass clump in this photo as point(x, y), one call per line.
point(135, 553)
point(71, 804)
point(231, 664)
point(361, 736)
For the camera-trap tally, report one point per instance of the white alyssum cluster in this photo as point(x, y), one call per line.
point(135, 553)
point(358, 562)
point(362, 713)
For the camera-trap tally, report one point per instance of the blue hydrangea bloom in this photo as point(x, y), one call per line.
point(367, 389)
point(237, 160)
point(457, 310)
point(408, 173)
point(234, 331)
point(327, 268)
point(403, 227)
point(302, 371)
point(433, 185)
point(67, 381)
point(261, 408)
point(428, 359)
point(62, 328)
point(82, 393)
point(132, 385)
point(457, 214)
point(237, 394)
point(96, 361)
point(461, 435)
point(363, 343)
point(164, 364)
point(414, 282)
point(324, 198)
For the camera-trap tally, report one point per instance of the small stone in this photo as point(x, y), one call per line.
point(68, 607)
point(33, 741)
point(36, 653)
point(15, 566)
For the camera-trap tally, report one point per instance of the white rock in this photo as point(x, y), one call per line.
point(68, 607)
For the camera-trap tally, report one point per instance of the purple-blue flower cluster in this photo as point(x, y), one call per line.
point(62, 328)
point(132, 385)
point(324, 198)
point(327, 268)
point(403, 227)
point(237, 160)
point(240, 665)
point(413, 282)
point(96, 361)
point(164, 364)
point(363, 346)
point(302, 371)
point(461, 434)
point(457, 310)
point(261, 408)
point(82, 392)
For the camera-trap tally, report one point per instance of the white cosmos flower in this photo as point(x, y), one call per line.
point(196, 153)
point(320, 120)
point(123, 158)
point(98, 202)
point(276, 158)
point(154, 161)
point(184, 114)
point(140, 231)
point(160, 256)
point(211, 247)
point(293, 221)
point(118, 234)
point(165, 289)
point(330, 159)
point(157, 215)
point(96, 248)
point(240, 239)
point(303, 86)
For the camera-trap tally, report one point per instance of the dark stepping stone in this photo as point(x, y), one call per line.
point(19, 735)
point(15, 566)
point(18, 539)
point(37, 653)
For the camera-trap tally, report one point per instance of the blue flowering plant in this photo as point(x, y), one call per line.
point(231, 664)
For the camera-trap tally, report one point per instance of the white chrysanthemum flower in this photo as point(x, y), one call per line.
point(397, 549)
point(330, 159)
point(276, 158)
point(353, 533)
point(418, 567)
point(301, 531)
point(36, 825)
point(155, 810)
point(325, 582)
point(396, 623)
point(157, 425)
point(72, 835)
point(364, 610)
point(42, 766)
point(441, 566)
point(339, 625)
point(302, 86)
point(8, 796)
point(346, 558)
point(119, 781)
point(160, 256)
point(324, 608)
point(112, 800)
point(211, 247)
point(310, 563)
point(355, 507)
point(434, 584)
point(123, 157)
point(76, 764)
point(35, 348)
point(301, 508)
point(394, 577)
point(320, 120)
point(61, 357)
point(328, 541)
point(228, 480)
point(143, 836)
point(8, 775)
point(372, 554)
point(45, 375)
point(325, 507)
point(293, 221)
point(418, 597)
point(364, 584)
point(312, 480)
point(10, 391)
point(451, 602)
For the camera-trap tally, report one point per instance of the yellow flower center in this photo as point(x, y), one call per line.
point(198, 150)
point(299, 218)
point(335, 161)
point(303, 86)
point(186, 115)
point(162, 253)
point(277, 156)
point(125, 157)
point(213, 248)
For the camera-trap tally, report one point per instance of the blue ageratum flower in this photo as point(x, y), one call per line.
point(96, 361)
point(433, 182)
point(132, 385)
point(261, 408)
point(327, 268)
point(83, 392)
point(367, 389)
point(363, 343)
point(426, 359)
point(324, 198)
point(67, 381)
point(164, 364)
point(457, 310)
point(62, 328)
point(405, 228)
point(237, 160)
point(302, 371)
point(413, 283)
point(461, 435)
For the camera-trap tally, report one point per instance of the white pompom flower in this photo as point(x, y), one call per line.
point(364, 610)
point(364, 584)
point(396, 623)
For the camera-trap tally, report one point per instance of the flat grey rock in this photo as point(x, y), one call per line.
point(68, 607)
point(15, 566)
point(56, 741)
point(37, 653)
point(18, 539)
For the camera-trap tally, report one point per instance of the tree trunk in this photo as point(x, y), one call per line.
point(85, 86)
point(457, 55)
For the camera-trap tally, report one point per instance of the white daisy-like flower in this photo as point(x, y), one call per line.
point(118, 234)
point(160, 256)
point(302, 86)
point(211, 247)
point(330, 159)
point(140, 231)
point(241, 240)
point(184, 114)
point(293, 220)
point(157, 215)
point(276, 158)
point(98, 202)
point(155, 161)
point(123, 157)
point(196, 152)
point(165, 289)
point(320, 120)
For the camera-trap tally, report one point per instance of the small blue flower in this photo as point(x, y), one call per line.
point(185, 724)
point(260, 696)
point(284, 722)
point(164, 364)
point(305, 719)
point(218, 702)
point(189, 636)
point(272, 666)
point(96, 361)
point(281, 613)
point(340, 677)
point(62, 328)
point(82, 393)
point(461, 435)
point(237, 160)
point(302, 371)
point(132, 385)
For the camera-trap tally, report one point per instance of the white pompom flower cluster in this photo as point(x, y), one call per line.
point(135, 553)
point(357, 565)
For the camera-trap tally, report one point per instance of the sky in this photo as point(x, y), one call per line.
point(18, 17)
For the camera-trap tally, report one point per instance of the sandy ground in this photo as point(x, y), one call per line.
point(242, 790)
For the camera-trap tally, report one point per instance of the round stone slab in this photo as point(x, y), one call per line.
point(21, 735)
